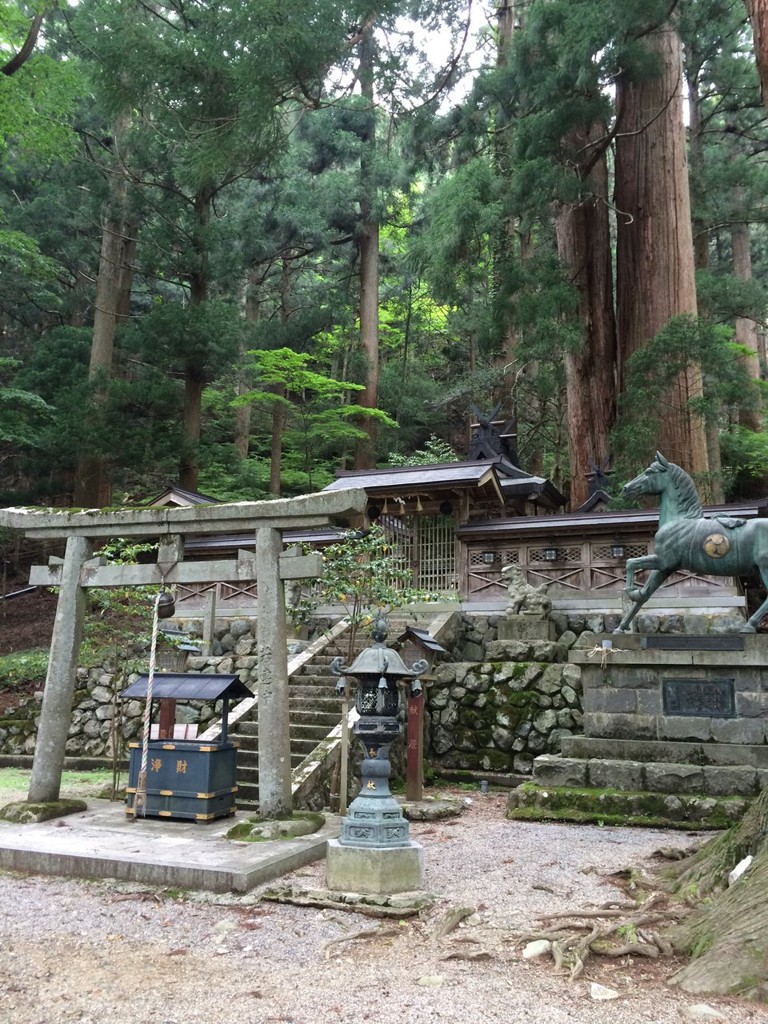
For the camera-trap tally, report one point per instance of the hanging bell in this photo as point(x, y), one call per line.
point(383, 683)
point(166, 606)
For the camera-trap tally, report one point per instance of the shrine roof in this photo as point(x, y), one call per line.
point(533, 488)
point(174, 495)
point(401, 478)
point(604, 520)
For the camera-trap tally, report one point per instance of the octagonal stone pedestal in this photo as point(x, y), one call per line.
point(372, 869)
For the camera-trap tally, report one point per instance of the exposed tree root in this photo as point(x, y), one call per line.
point(690, 910)
point(611, 931)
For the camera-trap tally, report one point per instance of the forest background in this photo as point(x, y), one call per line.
point(245, 245)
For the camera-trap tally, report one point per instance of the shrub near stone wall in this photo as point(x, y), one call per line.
point(497, 715)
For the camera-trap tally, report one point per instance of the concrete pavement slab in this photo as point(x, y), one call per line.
point(102, 843)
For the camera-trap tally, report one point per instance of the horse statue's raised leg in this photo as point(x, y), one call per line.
point(641, 595)
point(750, 626)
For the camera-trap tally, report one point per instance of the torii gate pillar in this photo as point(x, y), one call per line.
point(56, 712)
point(274, 736)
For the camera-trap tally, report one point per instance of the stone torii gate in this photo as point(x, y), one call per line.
point(269, 565)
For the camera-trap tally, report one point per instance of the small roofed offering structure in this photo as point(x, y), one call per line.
point(186, 778)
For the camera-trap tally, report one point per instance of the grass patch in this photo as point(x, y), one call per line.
point(22, 668)
point(18, 778)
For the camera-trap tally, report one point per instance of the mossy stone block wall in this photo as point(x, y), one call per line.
point(496, 716)
point(100, 721)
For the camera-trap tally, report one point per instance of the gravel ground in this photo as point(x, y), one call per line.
point(93, 952)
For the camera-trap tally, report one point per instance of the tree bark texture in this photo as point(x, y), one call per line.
point(728, 935)
point(746, 329)
point(195, 377)
point(251, 314)
point(654, 260)
point(369, 255)
point(758, 16)
point(696, 158)
point(584, 246)
point(115, 277)
point(192, 419)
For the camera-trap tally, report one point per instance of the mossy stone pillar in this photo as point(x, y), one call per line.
point(56, 712)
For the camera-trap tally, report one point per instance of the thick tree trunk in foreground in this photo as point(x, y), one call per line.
point(728, 936)
point(655, 268)
point(584, 246)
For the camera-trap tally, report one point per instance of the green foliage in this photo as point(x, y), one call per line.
point(22, 413)
point(121, 551)
point(35, 101)
point(22, 668)
point(365, 574)
point(435, 450)
point(685, 344)
point(744, 455)
point(319, 420)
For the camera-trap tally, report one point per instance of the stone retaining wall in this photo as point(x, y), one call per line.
point(498, 715)
point(100, 721)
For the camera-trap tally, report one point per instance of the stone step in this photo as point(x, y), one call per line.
point(248, 754)
point(654, 777)
point(677, 751)
point(532, 802)
point(312, 692)
point(311, 716)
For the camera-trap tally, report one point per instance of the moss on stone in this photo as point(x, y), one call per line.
point(24, 813)
point(267, 830)
point(611, 806)
point(494, 760)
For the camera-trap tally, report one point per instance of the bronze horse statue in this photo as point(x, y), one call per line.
point(716, 546)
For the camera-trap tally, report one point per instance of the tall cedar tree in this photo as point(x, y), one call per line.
point(654, 246)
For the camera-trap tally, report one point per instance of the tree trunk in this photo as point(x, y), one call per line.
point(369, 255)
point(714, 483)
point(758, 15)
point(191, 426)
point(655, 268)
point(746, 329)
point(728, 935)
point(279, 417)
point(92, 485)
point(195, 376)
point(697, 164)
point(251, 314)
point(584, 246)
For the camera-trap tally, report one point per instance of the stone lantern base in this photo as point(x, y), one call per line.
point(374, 869)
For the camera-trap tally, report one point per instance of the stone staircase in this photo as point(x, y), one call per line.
point(314, 708)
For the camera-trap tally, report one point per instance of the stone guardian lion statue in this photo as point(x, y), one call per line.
point(524, 598)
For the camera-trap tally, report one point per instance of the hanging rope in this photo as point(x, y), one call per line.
point(140, 801)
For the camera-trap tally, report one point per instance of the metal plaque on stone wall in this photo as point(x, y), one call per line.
point(713, 698)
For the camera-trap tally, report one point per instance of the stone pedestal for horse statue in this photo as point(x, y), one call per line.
point(675, 734)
